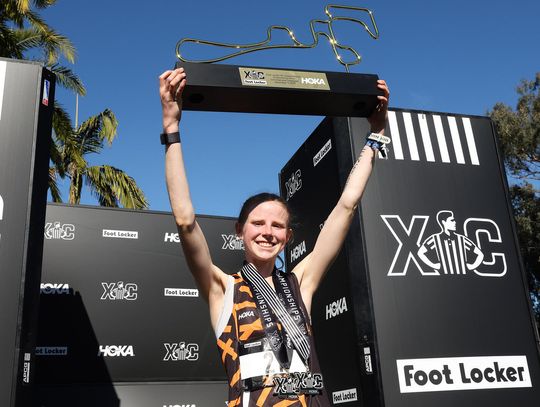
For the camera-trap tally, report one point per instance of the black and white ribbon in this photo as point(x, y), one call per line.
point(300, 341)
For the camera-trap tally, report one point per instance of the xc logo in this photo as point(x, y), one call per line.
point(446, 252)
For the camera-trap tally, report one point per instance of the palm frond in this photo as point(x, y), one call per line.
point(9, 43)
point(113, 186)
point(42, 3)
point(53, 185)
point(61, 122)
point(26, 38)
point(94, 130)
point(52, 43)
point(67, 79)
point(23, 5)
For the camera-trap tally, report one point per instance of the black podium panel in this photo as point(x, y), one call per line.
point(174, 394)
point(430, 273)
point(118, 303)
point(26, 105)
point(233, 88)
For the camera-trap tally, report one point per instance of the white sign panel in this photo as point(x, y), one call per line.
point(468, 373)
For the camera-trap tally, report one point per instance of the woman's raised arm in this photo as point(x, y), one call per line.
point(210, 279)
point(311, 270)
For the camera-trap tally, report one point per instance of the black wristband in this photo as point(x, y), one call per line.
point(169, 138)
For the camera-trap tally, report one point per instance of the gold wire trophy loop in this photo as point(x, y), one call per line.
point(233, 88)
point(264, 45)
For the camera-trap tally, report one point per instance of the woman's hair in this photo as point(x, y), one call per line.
point(255, 200)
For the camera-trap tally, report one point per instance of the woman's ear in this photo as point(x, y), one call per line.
point(289, 234)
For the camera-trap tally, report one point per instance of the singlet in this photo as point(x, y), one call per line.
point(240, 326)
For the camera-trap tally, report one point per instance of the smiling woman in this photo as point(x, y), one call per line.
point(261, 315)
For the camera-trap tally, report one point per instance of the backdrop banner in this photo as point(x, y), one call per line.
point(118, 303)
point(430, 273)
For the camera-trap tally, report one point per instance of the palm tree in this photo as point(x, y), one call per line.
point(111, 186)
point(23, 30)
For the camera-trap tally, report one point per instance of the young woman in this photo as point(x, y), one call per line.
point(261, 316)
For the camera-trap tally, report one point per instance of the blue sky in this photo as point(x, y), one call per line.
point(448, 56)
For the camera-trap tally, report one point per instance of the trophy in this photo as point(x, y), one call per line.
point(234, 88)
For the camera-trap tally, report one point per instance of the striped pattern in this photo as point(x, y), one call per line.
point(300, 340)
point(451, 252)
point(432, 138)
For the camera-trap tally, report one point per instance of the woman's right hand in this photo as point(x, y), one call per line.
point(171, 86)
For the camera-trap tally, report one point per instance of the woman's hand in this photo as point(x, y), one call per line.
point(379, 115)
point(171, 86)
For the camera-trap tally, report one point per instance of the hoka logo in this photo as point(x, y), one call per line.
point(298, 251)
point(336, 308)
point(116, 351)
point(313, 81)
point(172, 237)
point(246, 314)
point(54, 288)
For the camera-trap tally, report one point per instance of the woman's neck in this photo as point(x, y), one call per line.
point(265, 269)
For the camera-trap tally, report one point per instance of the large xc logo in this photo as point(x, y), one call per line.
point(447, 252)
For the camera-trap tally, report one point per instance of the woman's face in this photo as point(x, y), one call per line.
point(266, 231)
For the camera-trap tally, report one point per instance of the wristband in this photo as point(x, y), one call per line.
point(169, 138)
point(378, 142)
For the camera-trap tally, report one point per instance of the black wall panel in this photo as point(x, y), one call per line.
point(440, 307)
point(26, 105)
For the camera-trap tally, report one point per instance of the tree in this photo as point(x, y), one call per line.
point(23, 31)
point(111, 186)
point(519, 137)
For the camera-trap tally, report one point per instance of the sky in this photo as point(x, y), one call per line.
point(445, 56)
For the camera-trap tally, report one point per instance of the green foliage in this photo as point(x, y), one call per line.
point(22, 31)
point(519, 132)
point(111, 186)
point(519, 138)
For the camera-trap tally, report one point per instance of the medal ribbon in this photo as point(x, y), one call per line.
point(263, 290)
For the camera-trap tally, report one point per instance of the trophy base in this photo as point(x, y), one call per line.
point(235, 88)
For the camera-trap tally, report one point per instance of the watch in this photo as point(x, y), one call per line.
point(169, 138)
